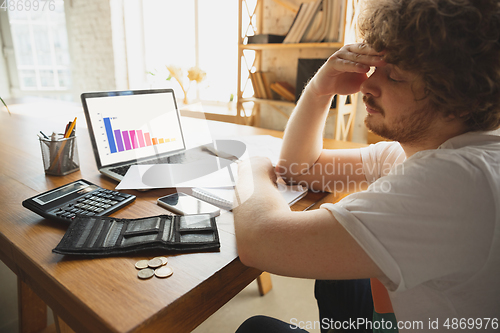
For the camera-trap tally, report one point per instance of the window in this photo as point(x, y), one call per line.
point(192, 33)
point(41, 46)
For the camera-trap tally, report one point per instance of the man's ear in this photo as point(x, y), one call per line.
point(461, 115)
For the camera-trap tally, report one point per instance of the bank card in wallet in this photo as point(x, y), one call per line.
point(99, 236)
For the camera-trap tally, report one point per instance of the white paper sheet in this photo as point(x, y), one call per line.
point(261, 145)
point(197, 174)
point(210, 172)
point(223, 197)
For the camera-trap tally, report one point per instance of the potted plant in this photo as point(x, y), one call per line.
point(5, 104)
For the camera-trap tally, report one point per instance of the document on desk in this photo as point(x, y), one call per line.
point(227, 198)
point(262, 145)
point(211, 172)
point(244, 147)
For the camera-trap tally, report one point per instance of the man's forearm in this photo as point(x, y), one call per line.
point(303, 138)
point(271, 237)
point(260, 200)
point(259, 195)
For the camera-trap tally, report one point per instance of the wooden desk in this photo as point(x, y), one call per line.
point(104, 294)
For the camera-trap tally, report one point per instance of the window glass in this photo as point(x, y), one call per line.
point(60, 43)
point(47, 78)
point(218, 36)
point(24, 48)
point(64, 77)
point(41, 46)
point(28, 78)
point(171, 39)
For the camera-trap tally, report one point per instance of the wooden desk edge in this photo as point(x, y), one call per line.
point(182, 319)
point(43, 285)
point(234, 276)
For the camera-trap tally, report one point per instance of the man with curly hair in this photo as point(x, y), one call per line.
point(426, 231)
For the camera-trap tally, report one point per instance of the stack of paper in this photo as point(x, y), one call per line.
point(227, 198)
point(213, 171)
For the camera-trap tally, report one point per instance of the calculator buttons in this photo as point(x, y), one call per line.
point(86, 200)
point(92, 204)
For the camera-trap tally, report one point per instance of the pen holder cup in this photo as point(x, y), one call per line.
point(60, 157)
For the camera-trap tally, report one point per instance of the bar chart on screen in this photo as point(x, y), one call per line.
point(120, 140)
point(137, 136)
point(130, 126)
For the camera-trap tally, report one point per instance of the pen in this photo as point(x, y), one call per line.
point(214, 151)
point(61, 149)
point(70, 129)
point(42, 139)
point(46, 137)
point(66, 129)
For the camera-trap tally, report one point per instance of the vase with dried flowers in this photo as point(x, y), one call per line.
point(194, 74)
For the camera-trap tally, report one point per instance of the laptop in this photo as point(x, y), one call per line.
point(134, 127)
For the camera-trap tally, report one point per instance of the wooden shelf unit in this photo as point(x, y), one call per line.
point(276, 46)
point(251, 115)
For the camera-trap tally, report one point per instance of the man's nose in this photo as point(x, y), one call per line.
point(371, 86)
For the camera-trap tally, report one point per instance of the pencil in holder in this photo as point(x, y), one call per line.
point(60, 156)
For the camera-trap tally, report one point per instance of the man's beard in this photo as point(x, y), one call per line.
point(406, 129)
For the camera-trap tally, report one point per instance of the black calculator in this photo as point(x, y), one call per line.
point(79, 198)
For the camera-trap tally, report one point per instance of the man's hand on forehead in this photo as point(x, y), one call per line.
point(346, 69)
point(361, 56)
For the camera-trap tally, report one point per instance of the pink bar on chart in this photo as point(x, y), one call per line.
point(133, 138)
point(141, 138)
point(126, 140)
point(148, 139)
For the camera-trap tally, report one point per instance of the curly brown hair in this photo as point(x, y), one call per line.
point(454, 45)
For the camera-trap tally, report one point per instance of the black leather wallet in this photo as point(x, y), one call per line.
point(99, 236)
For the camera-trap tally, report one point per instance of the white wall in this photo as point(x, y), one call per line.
point(90, 37)
point(4, 74)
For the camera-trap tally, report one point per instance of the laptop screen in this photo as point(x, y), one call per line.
point(130, 125)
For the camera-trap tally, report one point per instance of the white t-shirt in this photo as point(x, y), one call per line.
point(432, 225)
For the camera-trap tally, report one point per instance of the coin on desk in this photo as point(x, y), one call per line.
point(145, 273)
point(141, 264)
point(155, 262)
point(164, 272)
point(164, 260)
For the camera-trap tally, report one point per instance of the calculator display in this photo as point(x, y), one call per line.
point(60, 192)
point(79, 198)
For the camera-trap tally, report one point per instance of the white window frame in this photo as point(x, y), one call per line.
point(131, 24)
point(17, 88)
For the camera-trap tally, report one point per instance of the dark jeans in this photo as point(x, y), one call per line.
point(263, 324)
point(344, 301)
point(341, 302)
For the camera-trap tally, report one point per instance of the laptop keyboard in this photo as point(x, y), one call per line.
point(173, 159)
point(121, 170)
